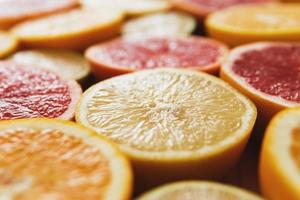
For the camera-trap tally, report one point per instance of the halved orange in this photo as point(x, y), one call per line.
point(173, 124)
point(15, 11)
point(279, 162)
point(130, 7)
point(8, 44)
point(75, 29)
point(192, 190)
point(68, 64)
point(268, 73)
point(55, 159)
point(249, 23)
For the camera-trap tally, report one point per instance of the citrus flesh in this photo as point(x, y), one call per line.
point(52, 159)
point(14, 11)
point(28, 92)
point(190, 190)
point(279, 162)
point(170, 117)
point(7, 44)
point(129, 54)
point(68, 64)
point(74, 29)
point(161, 24)
point(269, 22)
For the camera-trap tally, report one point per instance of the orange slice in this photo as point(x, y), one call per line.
point(160, 24)
point(75, 29)
point(53, 159)
point(68, 64)
point(268, 73)
point(8, 44)
point(279, 162)
point(15, 11)
point(130, 7)
point(192, 190)
point(249, 23)
point(173, 124)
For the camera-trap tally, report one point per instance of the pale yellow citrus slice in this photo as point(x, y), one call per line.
point(173, 124)
point(7, 44)
point(68, 64)
point(130, 7)
point(280, 157)
point(55, 159)
point(160, 24)
point(192, 190)
point(248, 23)
point(75, 29)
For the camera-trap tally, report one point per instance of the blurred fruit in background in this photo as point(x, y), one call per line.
point(8, 44)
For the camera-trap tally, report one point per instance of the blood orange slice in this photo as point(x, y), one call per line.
point(14, 11)
point(54, 159)
point(202, 8)
point(31, 92)
point(125, 55)
point(268, 73)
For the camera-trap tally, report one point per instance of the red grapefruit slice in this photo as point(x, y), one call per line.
point(14, 11)
point(31, 92)
point(202, 8)
point(126, 55)
point(268, 73)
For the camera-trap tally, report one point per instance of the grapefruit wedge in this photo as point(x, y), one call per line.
point(75, 29)
point(15, 11)
point(29, 92)
point(126, 55)
point(268, 73)
point(56, 159)
point(280, 157)
point(172, 123)
point(192, 190)
point(8, 44)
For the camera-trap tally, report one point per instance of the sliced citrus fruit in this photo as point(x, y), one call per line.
point(279, 162)
point(201, 8)
point(174, 124)
point(56, 159)
point(68, 64)
point(130, 7)
point(14, 11)
point(160, 24)
point(249, 23)
point(192, 190)
point(125, 55)
point(268, 73)
point(28, 92)
point(75, 29)
point(7, 44)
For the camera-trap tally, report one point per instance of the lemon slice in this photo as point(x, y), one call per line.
point(7, 44)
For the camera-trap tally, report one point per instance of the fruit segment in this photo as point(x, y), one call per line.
point(8, 44)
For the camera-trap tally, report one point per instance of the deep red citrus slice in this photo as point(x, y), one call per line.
point(201, 8)
point(14, 11)
point(125, 55)
point(31, 92)
point(269, 73)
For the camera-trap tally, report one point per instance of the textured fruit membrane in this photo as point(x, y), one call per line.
point(31, 92)
point(274, 70)
point(165, 111)
point(48, 164)
point(158, 52)
point(295, 146)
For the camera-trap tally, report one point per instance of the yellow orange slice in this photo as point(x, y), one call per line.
point(130, 7)
point(192, 190)
point(68, 64)
point(248, 23)
point(53, 159)
point(174, 124)
point(7, 44)
point(75, 29)
point(161, 24)
point(279, 162)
